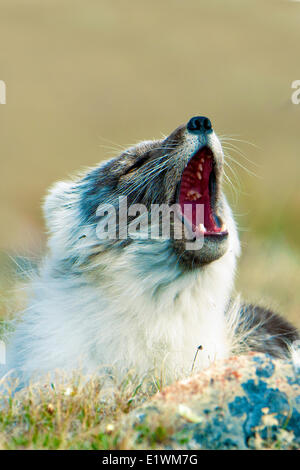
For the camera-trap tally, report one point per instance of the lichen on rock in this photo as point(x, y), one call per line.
point(249, 401)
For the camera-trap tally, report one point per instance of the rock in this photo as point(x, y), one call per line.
point(250, 401)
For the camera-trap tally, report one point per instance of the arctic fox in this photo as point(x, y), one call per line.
point(109, 296)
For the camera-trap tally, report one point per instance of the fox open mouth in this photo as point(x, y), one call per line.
point(197, 194)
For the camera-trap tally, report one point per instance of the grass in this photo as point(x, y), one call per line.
point(82, 415)
point(70, 416)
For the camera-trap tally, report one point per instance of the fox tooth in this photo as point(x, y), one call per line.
point(199, 176)
point(201, 228)
point(224, 227)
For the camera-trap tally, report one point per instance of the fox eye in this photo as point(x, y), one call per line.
point(138, 164)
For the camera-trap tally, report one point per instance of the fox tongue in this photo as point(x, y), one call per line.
point(195, 191)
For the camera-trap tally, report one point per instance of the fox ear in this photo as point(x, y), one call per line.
point(55, 204)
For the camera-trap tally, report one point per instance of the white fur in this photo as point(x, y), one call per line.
point(124, 323)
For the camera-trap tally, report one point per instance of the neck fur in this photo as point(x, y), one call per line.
point(158, 316)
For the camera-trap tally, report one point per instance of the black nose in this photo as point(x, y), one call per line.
point(199, 125)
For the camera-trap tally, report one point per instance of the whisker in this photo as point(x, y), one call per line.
point(242, 166)
point(229, 137)
point(233, 148)
point(235, 175)
point(115, 144)
point(232, 187)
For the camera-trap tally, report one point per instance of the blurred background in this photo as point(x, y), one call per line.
point(85, 76)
